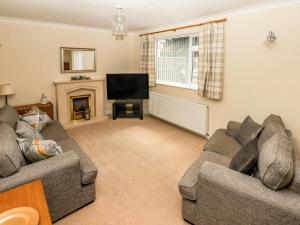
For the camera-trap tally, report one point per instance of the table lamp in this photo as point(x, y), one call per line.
point(6, 89)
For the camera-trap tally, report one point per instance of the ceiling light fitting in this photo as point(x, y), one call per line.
point(119, 28)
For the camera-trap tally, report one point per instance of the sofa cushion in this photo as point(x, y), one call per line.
point(37, 118)
point(36, 149)
point(24, 130)
point(295, 184)
point(248, 131)
point(223, 144)
point(245, 159)
point(233, 128)
point(275, 161)
point(87, 167)
point(272, 124)
point(11, 158)
point(188, 183)
point(9, 115)
point(55, 132)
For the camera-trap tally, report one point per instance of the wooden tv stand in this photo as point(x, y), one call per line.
point(128, 109)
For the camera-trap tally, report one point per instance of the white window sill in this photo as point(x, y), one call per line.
point(179, 85)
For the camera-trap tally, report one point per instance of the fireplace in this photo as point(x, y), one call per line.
point(80, 107)
point(64, 90)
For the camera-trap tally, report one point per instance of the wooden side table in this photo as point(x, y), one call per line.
point(28, 195)
point(48, 108)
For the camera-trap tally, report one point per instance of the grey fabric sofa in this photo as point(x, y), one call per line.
point(68, 178)
point(213, 194)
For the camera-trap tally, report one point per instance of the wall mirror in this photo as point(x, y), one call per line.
point(78, 60)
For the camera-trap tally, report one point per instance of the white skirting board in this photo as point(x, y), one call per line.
point(187, 114)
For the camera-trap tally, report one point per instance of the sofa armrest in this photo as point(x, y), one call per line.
point(61, 178)
point(232, 128)
point(235, 198)
point(53, 166)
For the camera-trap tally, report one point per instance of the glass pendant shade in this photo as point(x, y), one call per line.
point(119, 25)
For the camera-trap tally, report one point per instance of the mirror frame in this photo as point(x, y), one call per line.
point(78, 49)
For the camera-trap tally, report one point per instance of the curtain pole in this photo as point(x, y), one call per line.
point(185, 27)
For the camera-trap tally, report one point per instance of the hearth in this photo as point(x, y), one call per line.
point(80, 107)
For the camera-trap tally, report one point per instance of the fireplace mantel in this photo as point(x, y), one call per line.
point(69, 88)
point(76, 81)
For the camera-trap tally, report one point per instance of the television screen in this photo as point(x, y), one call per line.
point(127, 86)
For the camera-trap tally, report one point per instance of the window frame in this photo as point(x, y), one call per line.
point(190, 86)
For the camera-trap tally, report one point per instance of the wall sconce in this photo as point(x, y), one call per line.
point(271, 37)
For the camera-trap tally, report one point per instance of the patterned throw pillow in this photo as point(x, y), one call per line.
point(37, 118)
point(36, 149)
point(24, 130)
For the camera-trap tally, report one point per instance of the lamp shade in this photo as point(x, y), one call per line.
point(6, 89)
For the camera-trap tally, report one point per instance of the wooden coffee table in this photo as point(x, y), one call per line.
point(27, 195)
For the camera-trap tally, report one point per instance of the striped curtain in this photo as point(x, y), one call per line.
point(147, 60)
point(211, 61)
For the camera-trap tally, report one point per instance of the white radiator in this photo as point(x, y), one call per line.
point(190, 115)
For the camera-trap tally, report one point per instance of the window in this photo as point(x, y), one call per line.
point(177, 61)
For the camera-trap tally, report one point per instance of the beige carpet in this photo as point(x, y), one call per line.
point(140, 164)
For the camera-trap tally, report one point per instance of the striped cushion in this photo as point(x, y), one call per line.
point(37, 118)
point(24, 130)
point(36, 149)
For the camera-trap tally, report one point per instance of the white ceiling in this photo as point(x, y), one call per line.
point(141, 14)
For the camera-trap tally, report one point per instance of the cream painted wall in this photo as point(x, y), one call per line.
point(258, 80)
point(30, 56)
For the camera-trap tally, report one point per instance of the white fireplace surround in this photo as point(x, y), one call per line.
point(67, 89)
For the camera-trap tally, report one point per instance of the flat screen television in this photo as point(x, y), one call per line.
point(127, 86)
